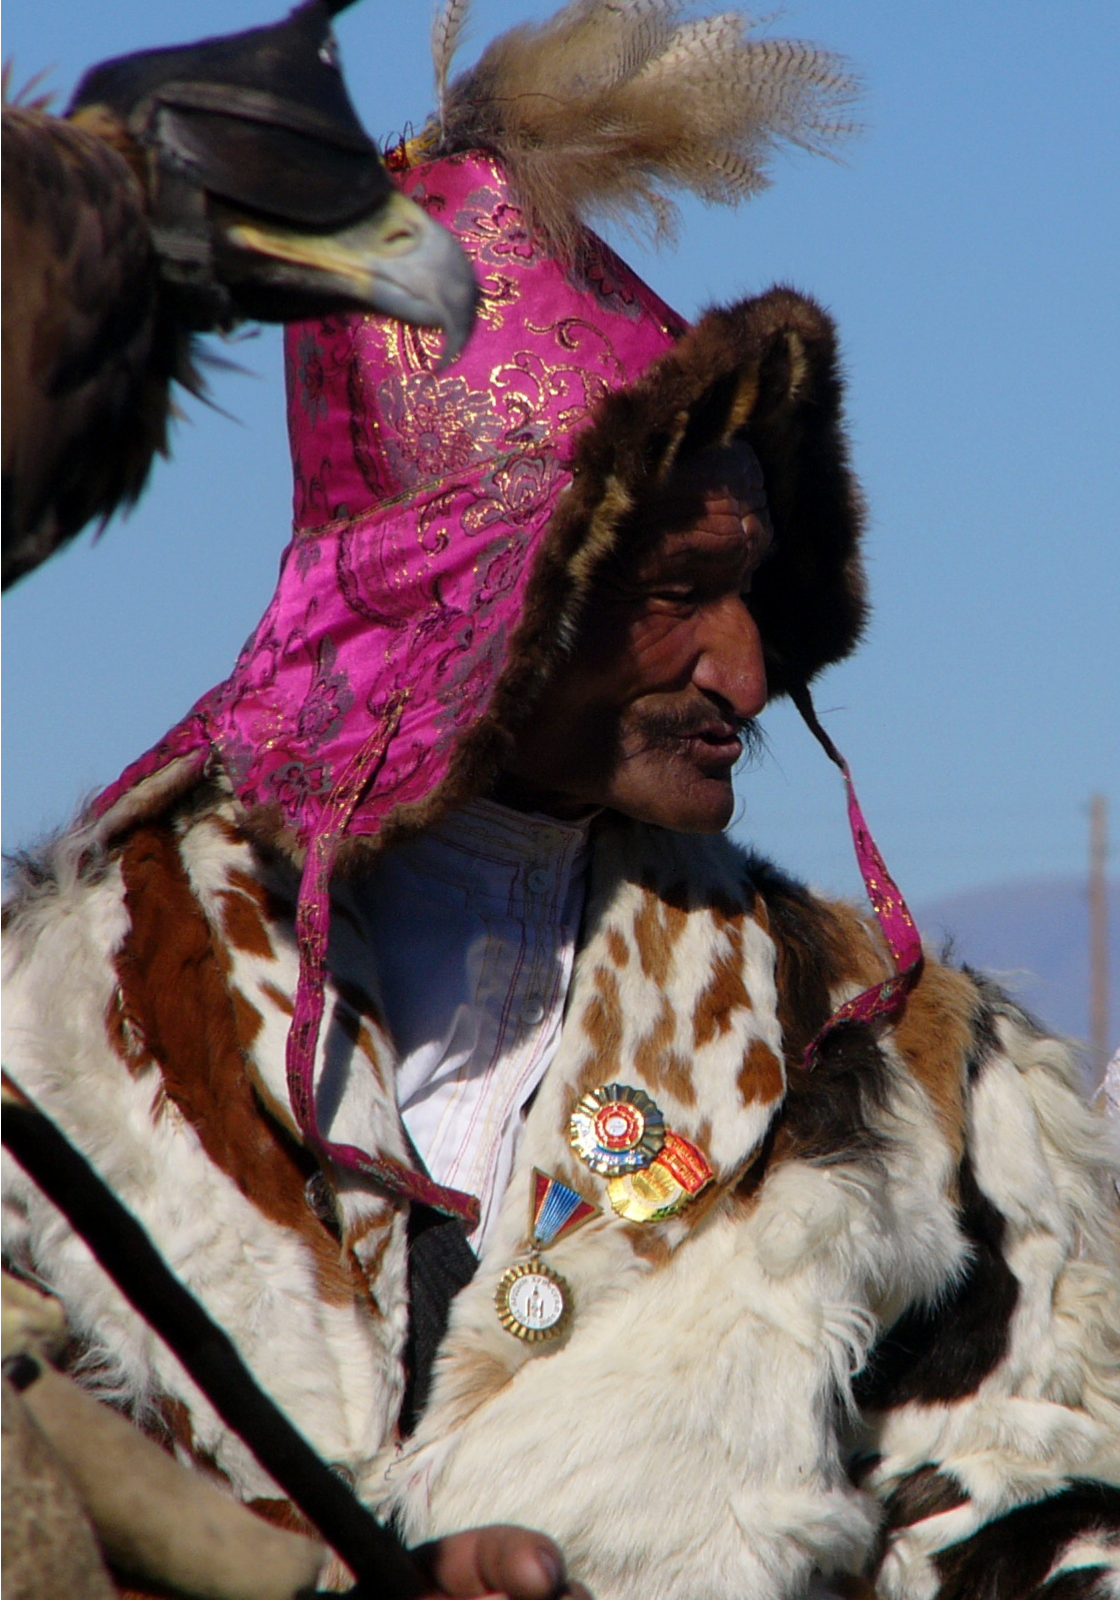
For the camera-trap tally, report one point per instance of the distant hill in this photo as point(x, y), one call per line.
point(1033, 935)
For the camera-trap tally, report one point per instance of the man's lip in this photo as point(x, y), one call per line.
point(718, 745)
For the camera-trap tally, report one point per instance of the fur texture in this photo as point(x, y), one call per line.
point(1011, 1382)
point(603, 107)
point(881, 1348)
point(868, 1221)
point(188, 1125)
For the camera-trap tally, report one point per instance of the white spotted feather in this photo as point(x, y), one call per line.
point(607, 106)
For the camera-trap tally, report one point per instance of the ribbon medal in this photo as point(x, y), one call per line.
point(534, 1302)
point(617, 1129)
point(674, 1177)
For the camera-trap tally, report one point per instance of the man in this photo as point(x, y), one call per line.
point(795, 1266)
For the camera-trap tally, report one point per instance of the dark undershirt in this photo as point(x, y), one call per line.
point(440, 1263)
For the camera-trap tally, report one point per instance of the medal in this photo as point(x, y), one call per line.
point(681, 1157)
point(534, 1302)
point(651, 1171)
point(617, 1129)
point(663, 1189)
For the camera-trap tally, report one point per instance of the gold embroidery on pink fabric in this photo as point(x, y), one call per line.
point(421, 497)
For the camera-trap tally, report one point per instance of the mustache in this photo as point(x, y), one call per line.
point(662, 730)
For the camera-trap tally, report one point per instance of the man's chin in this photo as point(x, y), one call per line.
point(685, 802)
point(708, 818)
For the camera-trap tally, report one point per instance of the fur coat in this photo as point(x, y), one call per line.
point(878, 1354)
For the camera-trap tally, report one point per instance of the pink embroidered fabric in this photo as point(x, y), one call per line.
point(421, 498)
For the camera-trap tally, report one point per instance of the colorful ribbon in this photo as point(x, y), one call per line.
point(557, 1210)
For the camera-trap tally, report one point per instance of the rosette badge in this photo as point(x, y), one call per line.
point(616, 1129)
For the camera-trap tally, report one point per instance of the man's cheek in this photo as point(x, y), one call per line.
point(660, 645)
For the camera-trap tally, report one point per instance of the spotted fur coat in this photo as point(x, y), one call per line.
point(879, 1354)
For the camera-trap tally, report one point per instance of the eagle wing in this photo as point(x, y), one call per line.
point(86, 354)
point(188, 188)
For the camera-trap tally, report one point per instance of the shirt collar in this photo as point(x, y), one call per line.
point(493, 852)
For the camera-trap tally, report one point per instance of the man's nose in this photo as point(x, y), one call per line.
point(730, 663)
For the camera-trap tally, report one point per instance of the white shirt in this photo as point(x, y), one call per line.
point(475, 925)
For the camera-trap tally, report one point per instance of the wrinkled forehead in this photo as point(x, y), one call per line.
point(710, 509)
point(677, 502)
point(732, 468)
point(680, 498)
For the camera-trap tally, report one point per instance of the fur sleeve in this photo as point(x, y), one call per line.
point(147, 995)
point(992, 1410)
point(987, 1409)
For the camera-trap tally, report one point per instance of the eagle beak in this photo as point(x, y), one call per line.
point(397, 261)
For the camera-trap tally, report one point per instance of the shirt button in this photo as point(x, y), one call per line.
point(532, 1012)
point(540, 879)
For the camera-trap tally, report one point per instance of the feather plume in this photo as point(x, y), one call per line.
point(447, 35)
point(610, 104)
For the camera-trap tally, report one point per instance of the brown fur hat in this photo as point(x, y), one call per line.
point(765, 370)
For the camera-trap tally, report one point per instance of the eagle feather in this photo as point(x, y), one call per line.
point(608, 105)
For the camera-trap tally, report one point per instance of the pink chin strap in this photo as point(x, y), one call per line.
point(882, 999)
point(312, 932)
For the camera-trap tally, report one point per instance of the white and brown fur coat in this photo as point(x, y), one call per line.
point(879, 1355)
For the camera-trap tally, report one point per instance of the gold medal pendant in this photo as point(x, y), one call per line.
point(534, 1303)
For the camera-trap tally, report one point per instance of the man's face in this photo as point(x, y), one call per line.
point(646, 715)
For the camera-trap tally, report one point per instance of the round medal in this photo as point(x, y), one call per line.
point(617, 1129)
point(533, 1302)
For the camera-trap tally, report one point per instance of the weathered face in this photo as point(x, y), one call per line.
point(646, 717)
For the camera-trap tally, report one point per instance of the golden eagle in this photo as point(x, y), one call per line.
point(184, 190)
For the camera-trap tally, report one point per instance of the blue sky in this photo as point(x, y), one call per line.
point(968, 245)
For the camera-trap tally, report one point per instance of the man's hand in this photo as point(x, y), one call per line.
point(499, 1560)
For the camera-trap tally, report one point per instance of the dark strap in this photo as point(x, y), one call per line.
point(440, 1263)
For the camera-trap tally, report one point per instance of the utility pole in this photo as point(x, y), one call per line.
point(1098, 934)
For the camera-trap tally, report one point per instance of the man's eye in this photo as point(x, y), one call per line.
point(676, 593)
